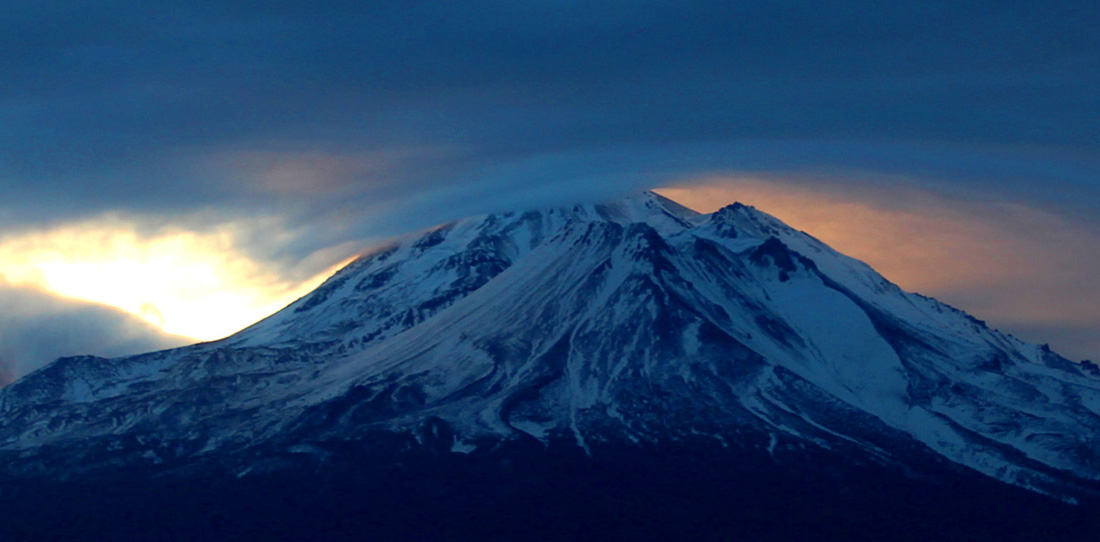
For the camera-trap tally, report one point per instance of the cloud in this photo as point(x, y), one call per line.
point(37, 327)
point(119, 106)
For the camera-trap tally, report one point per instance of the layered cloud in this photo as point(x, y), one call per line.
point(127, 106)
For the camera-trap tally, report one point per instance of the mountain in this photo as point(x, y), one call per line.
point(632, 336)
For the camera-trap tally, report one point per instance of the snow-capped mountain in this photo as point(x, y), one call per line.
point(629, 323)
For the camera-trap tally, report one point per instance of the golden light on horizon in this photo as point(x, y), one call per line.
point(198, 285)
point(1019, 267)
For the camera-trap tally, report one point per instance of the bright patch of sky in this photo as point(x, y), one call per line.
point(197, 285)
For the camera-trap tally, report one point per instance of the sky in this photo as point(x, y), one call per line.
point(174, 171)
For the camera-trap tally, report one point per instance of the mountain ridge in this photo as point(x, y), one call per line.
point(631, 322)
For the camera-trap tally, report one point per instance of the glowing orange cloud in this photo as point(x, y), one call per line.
point(317, 173)
point(1019, 267)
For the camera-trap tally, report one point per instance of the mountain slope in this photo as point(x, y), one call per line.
point(628, 323)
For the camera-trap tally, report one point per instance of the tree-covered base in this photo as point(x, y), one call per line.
point(528, 493)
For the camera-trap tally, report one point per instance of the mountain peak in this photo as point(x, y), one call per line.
point(647, 207)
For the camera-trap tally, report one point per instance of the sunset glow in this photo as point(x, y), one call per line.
point(185, 283)
point(1024, 269)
